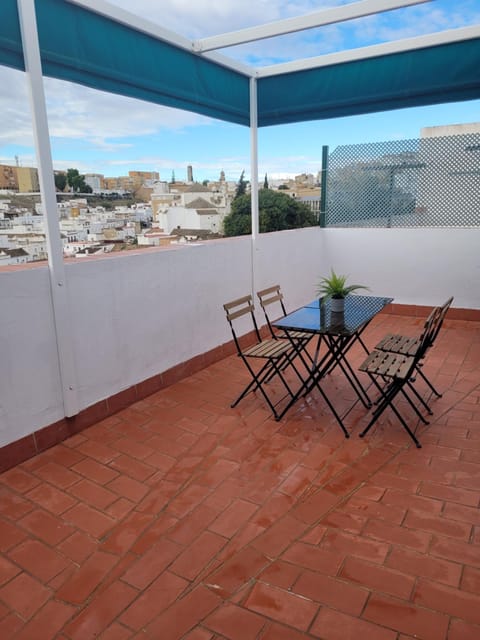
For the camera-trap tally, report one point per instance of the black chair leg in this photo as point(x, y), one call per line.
point(419, 398)
point(387, 401)
point(427, 381)
point(260, 378)
point(411, 403)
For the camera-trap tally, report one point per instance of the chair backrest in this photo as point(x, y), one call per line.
point(236, 309)
point(443, 312)
point(433, 325)
point(431, 328)
point(426, 338)
point(269, 296)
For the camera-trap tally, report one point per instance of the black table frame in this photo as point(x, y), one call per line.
point(339, 332)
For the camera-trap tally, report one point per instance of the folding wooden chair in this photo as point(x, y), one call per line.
point(273, 296)
point(273, 355)
point(397, 371)
point(408, 345)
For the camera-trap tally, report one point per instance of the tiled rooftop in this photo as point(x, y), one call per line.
point(180, 517)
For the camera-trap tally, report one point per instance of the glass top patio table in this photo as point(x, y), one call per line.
point(339, 331)
point(317, 316)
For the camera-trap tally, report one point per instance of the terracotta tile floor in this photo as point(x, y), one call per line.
point(182, 518)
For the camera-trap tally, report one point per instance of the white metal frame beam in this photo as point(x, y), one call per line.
point(255, 213)
point(301, 23)
point(362, 53)
point(56, 267)
point(254, 157)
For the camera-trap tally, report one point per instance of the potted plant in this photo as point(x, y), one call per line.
point(336, 288)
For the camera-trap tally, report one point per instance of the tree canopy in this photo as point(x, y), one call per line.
point(277, 211)
point(241, 186)
point(77, 182)
point(60, 181)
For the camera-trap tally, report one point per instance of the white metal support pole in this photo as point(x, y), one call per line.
point(56, 267)
point(254, 173)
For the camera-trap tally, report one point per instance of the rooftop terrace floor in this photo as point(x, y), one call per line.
point(180, 517)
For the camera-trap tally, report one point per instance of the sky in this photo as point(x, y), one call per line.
point(97, 132)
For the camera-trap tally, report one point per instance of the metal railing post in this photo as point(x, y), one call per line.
point(323, 188)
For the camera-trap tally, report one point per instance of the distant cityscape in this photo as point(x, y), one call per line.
point(135, 211)
point(141, 210)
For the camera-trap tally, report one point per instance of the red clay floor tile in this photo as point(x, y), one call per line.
point(36, 558)
point(152, 563)
point(101, 612)
point(81, 584)
point(89, 520)
point(334, 625)
point(24, 595)
point(43, 525)
point(50, 498)
point(180, 518)
point(155, 599)
point(332, 592)
point(282, 606)
point(7, 570)
point(235, 623)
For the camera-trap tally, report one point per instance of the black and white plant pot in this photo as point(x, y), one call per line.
point(337, 305)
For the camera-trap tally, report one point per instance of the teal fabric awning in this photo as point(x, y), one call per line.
point(81, 46)
point(444, 73)
point(87, 48)
point(11, 54)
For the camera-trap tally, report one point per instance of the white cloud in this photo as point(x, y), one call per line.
point(86, 113)
point(15, 123)
point(412, 21)
point(285, 166)
point(101, 120)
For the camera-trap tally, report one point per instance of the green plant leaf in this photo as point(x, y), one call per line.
point(335, 285)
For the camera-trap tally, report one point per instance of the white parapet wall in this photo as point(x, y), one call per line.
point(414, 266)
point(135, 315)
point(138, 315)
point(420, 267)
point(30, 387)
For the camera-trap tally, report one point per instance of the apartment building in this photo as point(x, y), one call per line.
point(132, 182)
point(27, 179)
point(449, 184)
point(95, 180)
point(196, 208)
point(139, 178)
point(8, 178)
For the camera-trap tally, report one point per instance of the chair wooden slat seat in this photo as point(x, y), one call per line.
point(267, 349)
point(299, 335)
point(393, 365)
point(410, 345)
point(275, 356)
point(397, 365)
point(399, 344)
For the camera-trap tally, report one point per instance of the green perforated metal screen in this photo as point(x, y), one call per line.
point(426, 182)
